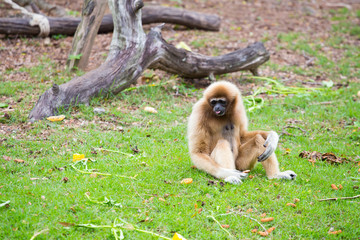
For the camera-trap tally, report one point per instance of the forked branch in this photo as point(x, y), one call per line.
point(131, 52)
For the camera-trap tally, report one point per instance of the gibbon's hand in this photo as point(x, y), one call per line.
point(270, 144)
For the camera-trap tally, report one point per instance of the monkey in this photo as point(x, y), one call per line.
point(219, 141)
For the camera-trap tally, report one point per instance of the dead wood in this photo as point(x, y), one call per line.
point(44, 6)
point(131, 52)
point(92, 15)
point(68, 26)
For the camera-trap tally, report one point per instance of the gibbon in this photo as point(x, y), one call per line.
point(220, 143)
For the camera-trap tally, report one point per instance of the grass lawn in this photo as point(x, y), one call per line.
point(136, 161)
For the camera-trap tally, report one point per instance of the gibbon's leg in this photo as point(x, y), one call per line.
point(271, 166)
point(205, 163)
point(224, 157)
point(250, 151)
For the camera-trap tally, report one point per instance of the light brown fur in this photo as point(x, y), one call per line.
point(222, 152)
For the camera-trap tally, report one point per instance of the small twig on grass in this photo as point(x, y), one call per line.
point(90, 171)
point(243, 215)
point(84, 172)
point(106, 201)
point(341, 198)
point(4, 204)
point(289, 126)
point(116, 228)
point(38, 233)
point(213, 218)
point(114, 151)
point(255, 221)
point(323, 103)
point(283, 132)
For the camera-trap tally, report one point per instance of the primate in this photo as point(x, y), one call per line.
point(219, 141)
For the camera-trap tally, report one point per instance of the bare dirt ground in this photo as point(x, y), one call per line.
point(243, 22)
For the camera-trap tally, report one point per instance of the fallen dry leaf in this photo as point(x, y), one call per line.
point(340, 187)
point(264, 234)
point(56, 118)
point(6, 158)
point(150, 110)
point(269, 219)
point(19, 160)
point(296, 200)
point(78, 157)
point(291, 204)
point(249, 210)
point(65, 179)
point(186, 181)
point(93, 175)
point(333, 186)
point(178, 237)
point(335, 232)
point(65, 224)
point(263, 215)
point(254, 230)
point(328, 157)
point(183, 45)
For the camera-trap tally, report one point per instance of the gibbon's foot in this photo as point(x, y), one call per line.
point(270, 144)
point(233, 180)
point(288, 175)
point(224, 173)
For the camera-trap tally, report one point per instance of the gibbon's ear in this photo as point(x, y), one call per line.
point(55, 89)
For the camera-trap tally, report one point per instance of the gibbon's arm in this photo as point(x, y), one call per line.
point(271, 142)
point(199, 148)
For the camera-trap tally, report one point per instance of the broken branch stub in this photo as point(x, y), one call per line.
point(131, 52)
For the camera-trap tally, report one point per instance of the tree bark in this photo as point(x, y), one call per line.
point(68, 26)
point(46, 7)
point(131, 52)
point(92, 14)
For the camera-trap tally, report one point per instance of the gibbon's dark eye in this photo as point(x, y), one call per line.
point(213, 102)
point(222, 102)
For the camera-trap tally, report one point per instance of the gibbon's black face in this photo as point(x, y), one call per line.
point(219, 106)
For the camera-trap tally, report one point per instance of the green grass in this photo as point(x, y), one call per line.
point(144, 188)
point(163, 162)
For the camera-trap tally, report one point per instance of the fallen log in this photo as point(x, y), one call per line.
point(68, 26)
point(132, 52)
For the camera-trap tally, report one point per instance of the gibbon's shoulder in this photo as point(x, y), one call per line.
point(221, 89)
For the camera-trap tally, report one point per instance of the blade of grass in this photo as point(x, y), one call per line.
point(38, 233)
point(215, 220)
